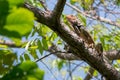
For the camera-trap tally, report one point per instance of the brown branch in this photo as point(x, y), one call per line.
point(111, 55)
point(58, 9)
point(66, 56)
point(42, 16)
point(62, 55)
point(43, 4)
point(77, 45)
point(10, 44)
point(94, 17)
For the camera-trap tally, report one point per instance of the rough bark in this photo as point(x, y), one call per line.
point(75, 43)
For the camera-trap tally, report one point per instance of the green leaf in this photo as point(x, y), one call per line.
point(4, 8)
point(44, 42)
point(26, 66)
point(7, 58)
point(38, 74)
point(73, 1)
point(21, 59)
point(118, 2)
point(53, 36)
point(25, 71)
point(18, 19)
point(26, 56)
point(118, 61)
point(79, 78)
point(33, 53)
point(13, 3)
point(82, 19)
point(95, 73)
point(86, 4)
point(60, 63)
point(43, 30)
point(17, 25)
point(102, 40)
point(27, 45)
point(40, 47)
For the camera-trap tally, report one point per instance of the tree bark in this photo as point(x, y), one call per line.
point(71, 38)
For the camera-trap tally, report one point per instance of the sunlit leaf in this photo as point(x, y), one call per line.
point(34, 53)
point(16, 3)
point(26, 56)
point(26, 66)
point(3, 46)
point(7, 58)
point(79, 78)
point(102, 41)
point(43, 30)
point(53, 36)
point(38, 74)
point(27, 45)
point(17, 25)
point(73, 1)
point(60, 63)
point(40, 47)
point(95, 73)
point(118, 61)
point(45, 44)
point(33, 47)
point(21, 59)
point(82, 19)
point(25, 71)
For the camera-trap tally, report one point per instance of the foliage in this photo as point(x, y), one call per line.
point(16, 22)
point(13, 20)
point(7, 59)
point(19, 27)
point(25, 71)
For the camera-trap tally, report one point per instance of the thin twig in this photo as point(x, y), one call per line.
point(43, 57)
point(10, 44)
point(94, 17)
point(58, 9)
point(49, 70)
point(70, 71)
point(43, 4)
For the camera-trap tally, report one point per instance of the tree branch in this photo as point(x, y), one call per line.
point(58, 9)
point(111, 55)
point(43, 4)
point(77, 45)
point(42, 16)
point(94, 17)
point(10, 44)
